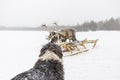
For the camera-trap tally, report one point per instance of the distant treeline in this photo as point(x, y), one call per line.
point(111, 24)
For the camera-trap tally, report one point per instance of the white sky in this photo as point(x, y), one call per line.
point(37, 12)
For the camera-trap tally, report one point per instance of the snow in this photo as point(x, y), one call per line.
point(19, 51)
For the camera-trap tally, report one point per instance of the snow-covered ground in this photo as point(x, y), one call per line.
point(19, 51)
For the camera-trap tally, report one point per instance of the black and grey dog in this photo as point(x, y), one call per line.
point(48, 67)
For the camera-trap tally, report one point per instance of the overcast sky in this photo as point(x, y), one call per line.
point(37, 12)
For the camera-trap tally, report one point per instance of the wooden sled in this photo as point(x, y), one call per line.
point(70, 48)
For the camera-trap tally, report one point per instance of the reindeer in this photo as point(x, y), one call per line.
point(62, 35)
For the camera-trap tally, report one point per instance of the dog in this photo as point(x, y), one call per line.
point(48, 67)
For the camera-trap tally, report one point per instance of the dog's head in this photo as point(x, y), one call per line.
point(51, 51)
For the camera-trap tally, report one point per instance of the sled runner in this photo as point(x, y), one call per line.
point(66, 54)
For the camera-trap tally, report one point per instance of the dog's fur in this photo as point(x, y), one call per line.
point(48, 67)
